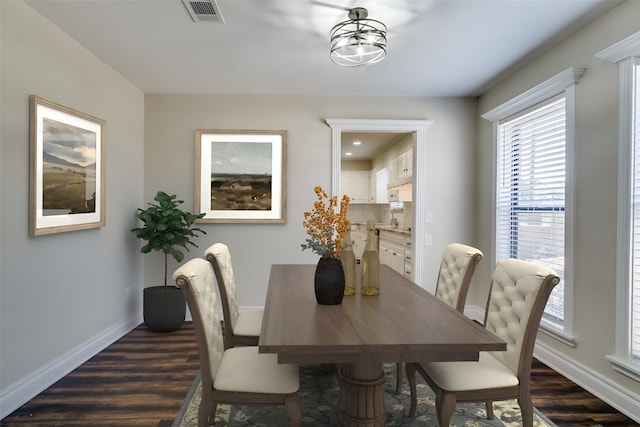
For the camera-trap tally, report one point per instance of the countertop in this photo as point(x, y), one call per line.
point(387, 227)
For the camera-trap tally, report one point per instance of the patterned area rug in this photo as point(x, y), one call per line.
point(319, 395)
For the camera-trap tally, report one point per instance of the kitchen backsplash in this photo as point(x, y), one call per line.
point(380, 213)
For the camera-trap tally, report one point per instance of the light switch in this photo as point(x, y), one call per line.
point(428, 239)
point(428, 217)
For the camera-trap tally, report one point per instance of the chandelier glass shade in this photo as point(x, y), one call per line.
point(358, 41)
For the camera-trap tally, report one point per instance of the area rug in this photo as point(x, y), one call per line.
point(319, 395)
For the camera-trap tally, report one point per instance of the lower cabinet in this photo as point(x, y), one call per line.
point(359, 237)
point(391, 250)
point(392, 257)
point(408, 258)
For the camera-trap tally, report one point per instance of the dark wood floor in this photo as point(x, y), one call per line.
point(142, 379)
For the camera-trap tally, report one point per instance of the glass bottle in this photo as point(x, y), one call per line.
point(370, 264)
point(348, 259)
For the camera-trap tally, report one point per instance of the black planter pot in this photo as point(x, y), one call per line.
point(164, 310)
point(329, 281)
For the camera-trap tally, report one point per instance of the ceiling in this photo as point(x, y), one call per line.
point(371, 144)
point(435, 47)
point(446, 48)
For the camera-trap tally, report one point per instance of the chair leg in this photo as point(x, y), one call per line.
point(398, 377)
point(445, 405)
point(526, 408)
point(212, 414)
point(206, 412)
point(489, 407)
point(411, 379)
point(294, 409)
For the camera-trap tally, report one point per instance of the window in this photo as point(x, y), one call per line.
point(533, 197)
point(530, 191)
point(635, 283)
point(626, 359)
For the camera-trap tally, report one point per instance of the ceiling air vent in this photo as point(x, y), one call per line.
point(204, 11)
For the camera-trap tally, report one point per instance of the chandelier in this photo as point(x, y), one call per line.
point(358, 41)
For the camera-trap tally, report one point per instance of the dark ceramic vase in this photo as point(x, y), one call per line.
point(164, 310)
point(329, 281)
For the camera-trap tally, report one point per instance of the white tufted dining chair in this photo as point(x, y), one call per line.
point(454, 277)
point(240, 327)
point(456, 270)
point(235, 376)
point(519, 292)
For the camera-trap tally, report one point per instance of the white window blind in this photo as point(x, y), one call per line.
point(530, 194)
point(635, 290)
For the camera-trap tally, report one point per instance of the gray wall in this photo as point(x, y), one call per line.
point(596, 195)
point(170, 123)
point(63, 296)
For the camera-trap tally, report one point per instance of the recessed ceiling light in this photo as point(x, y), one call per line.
point(357, 142)
point(348, 154)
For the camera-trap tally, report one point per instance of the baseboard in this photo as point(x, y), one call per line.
point(623, 399)
point(19, 393)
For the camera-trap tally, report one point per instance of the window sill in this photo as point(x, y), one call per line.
point(554, 332)
point(624, 367)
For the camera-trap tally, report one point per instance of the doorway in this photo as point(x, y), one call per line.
point(418, 130)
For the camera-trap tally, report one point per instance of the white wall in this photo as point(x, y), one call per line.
point(63, 296)
point(596, 201)
point(171, 121)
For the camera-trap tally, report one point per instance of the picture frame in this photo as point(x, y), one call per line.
point(241, 175)
point(67, 180)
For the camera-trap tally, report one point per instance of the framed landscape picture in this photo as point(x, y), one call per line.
point(240, 175)
point(67, 169)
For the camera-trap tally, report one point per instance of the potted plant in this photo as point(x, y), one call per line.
point(168, 229)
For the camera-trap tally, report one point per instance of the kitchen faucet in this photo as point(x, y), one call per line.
point(394, 221)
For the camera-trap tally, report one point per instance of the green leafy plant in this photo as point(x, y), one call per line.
point(167, 228)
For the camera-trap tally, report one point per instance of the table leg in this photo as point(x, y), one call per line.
point(361, 395)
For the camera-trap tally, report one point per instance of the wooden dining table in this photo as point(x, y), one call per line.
point(405, 323)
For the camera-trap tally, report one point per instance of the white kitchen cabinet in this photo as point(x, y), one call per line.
point(378, 181)
point(391, 250)
point(393, 256)
point(401, 168)
point(359, 237)
point(392, 166)
point(355, 184)
point(408, 258)
point(409, 163)
point(382, 181)
point(372, 186)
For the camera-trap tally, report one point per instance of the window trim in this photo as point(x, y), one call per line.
point(624, 53)
point(562, 82)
